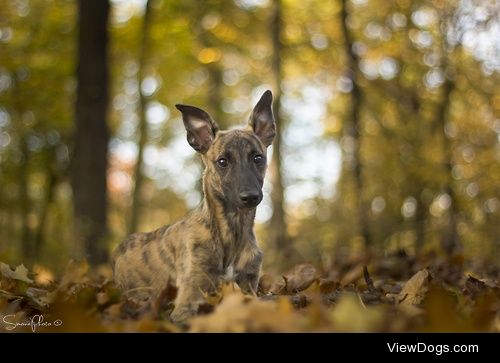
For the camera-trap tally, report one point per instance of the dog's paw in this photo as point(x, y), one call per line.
point(180, 316)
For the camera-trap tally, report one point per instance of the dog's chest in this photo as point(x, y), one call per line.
point(231, 256)
point(229, 274)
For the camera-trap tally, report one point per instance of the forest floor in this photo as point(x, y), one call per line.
point(393, 294)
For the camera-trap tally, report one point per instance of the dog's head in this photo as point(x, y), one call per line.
point(235, 160)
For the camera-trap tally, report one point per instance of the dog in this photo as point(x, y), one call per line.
point(215, 241)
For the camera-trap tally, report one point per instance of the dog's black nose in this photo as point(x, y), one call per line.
point(250, 199)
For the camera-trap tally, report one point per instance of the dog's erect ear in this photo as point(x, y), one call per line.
point(262, 119)
point(200, 127)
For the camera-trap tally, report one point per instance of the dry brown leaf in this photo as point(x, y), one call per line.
point(474, 287)
point(298, 278)
point(352, 275)
point(328, 286)
point(164, 301)
point(265, 284)
point(84, 301)
point(414, 290)
point(40, 296)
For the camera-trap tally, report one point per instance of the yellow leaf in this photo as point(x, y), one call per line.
point(350, 315)
point(240, 313)
point(440, 312)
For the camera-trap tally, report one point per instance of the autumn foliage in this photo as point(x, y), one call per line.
point(443, 297)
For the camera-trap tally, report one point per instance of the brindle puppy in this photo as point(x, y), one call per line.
point(216, 240)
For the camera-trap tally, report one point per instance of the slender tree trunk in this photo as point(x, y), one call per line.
point(215, 84)
point(24, 202)
point(23, 176)
point(413, 112)
point(44, 210)
point(19, 103)
point(419, 224)
point(278, 228)
point(353, 127)
point(215, 93)
point(143, 126)
point(450, 241)
point(205, 40)
point(89, 164)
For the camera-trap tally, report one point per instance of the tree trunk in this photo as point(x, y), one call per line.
point(24, 202)
point(419, 224)
point(353, 127)
point(449, 241)
point(23, 175)
point(44, 209)
point(89, 164)
point(411, 110)
point(143, 126)
point(278, 236)
point(215, 84)
point(215, 93)
point(47, 201)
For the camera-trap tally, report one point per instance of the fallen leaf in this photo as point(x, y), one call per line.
point(164, 302)
point(414, 290)
point(40, 296)
point(20, 273)
point(482, 318)
point(474, 287)
point(350, 315)
point(265, 284)
point(73, 318)
point(299, 278)
point(353, 275)
point(440, 312)
point(240, 313)
point(328, 286)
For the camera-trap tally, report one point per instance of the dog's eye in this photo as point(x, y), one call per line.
point(222, 162)
point(258, 159)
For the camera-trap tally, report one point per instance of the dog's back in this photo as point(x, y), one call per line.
point(144, 260)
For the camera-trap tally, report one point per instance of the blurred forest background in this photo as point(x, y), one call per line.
point(388, 114)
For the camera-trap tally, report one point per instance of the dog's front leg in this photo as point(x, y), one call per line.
point(199, 279)
point(247, 277)
point(192, 287)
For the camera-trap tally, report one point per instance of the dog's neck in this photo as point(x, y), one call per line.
point(231, 226)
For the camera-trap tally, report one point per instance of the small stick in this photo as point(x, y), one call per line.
point(368, 280)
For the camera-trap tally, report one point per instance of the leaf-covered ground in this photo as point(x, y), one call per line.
point(395, 294)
